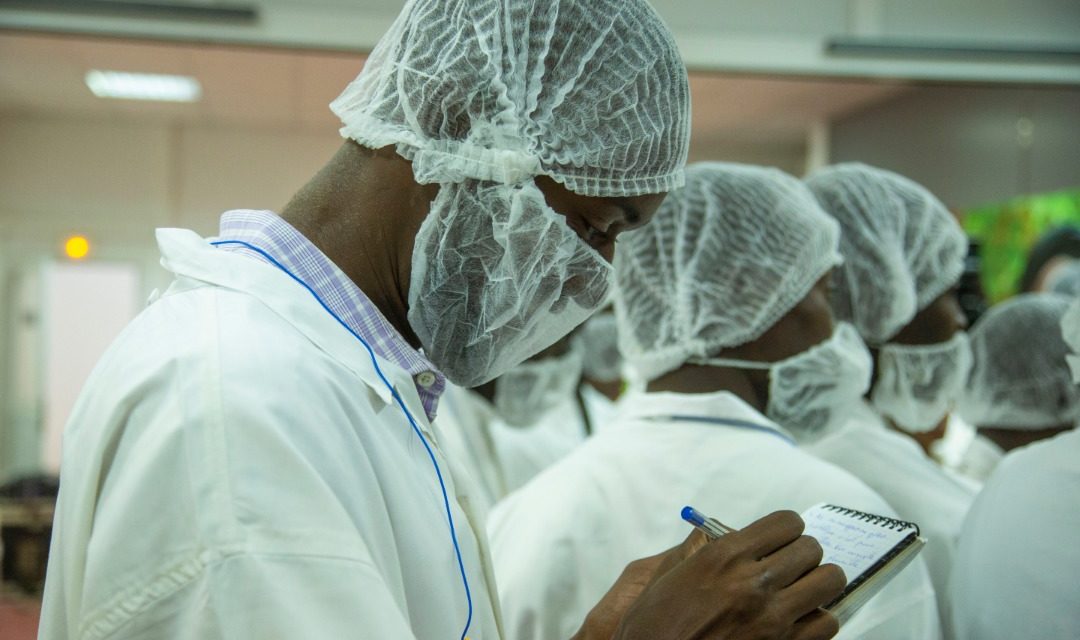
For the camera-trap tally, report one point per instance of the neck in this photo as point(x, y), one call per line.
point(692, 378)
point(363, 210)
point(1009, 439)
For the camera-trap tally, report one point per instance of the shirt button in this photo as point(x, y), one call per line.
point(425, 379)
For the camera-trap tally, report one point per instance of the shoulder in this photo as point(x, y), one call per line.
point(818, 480)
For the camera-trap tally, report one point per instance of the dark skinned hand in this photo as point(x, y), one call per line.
point(762, 582)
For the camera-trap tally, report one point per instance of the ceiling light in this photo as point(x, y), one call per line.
point(143, 86)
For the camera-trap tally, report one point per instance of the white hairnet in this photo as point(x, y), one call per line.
point(482, 96)
point(724, 259)
point(598, 342)
point(593, 94)
point(1020, 378)
point(901, 246)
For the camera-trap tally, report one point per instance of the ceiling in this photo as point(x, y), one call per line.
point(42, 75)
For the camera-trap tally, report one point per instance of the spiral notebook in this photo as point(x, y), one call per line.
point(871, 550)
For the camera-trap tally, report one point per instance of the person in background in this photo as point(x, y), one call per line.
point(601, 380)
point(1019, 390)
point(515, 426)
point(903, 254)
point(539, 417)
point(253, 457)
point(1016, 568)
point(722, 309)
point(1065, 279)
point(1054, 249)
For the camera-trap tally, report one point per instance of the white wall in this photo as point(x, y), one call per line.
point(85, 306)
point(763, 36)
point(968, 144)
point(115, 182)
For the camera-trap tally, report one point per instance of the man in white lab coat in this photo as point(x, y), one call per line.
point(1017, 560)
point(253, 458)
point(903, 255)
point(723, 312)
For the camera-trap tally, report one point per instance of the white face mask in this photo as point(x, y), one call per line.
point(918, 384)
point(813, 392)
point(531, 389)
point(498, 276)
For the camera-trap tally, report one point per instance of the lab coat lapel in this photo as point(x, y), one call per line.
point(188, 255)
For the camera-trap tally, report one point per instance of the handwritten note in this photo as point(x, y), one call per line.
point(852, 542)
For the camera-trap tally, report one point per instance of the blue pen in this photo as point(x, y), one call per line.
point(711, 527)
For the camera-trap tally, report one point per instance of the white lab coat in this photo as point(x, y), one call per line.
point(601, 409)
point(1017, 566)
point(503, 457)
point(561, 541)
point(524, 452)
point(980, 459)
point(463, 426)
point(894, 466)
point(966, 455)
point(235, 469)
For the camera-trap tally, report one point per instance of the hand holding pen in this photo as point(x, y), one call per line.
point(762, 581)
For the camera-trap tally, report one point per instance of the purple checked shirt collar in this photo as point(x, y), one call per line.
point(269, 232)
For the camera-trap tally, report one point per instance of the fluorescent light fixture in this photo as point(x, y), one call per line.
point(143, 86)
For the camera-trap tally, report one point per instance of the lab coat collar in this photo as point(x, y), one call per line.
point(644, 406)
point(188, 255)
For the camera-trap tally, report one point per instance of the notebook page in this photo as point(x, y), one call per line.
point(849, 541)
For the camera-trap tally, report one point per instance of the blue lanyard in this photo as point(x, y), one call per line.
point(727, 422)
point(401, 405)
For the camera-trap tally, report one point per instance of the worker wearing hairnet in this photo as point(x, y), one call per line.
point(722, 309)
point(602, 381)
point(1016, 567)
point(1019, 390)
point(903, 254)
point(1064, 278)
point(528, 418)
point(253, 457)
point(539, 418)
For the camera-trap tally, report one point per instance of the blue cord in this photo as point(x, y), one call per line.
point(728, 422)
point(400, 402)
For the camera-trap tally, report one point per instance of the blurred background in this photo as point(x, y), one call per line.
point(976, 99)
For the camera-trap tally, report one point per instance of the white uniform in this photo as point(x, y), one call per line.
point(561, 542)
point(980, 459)
point(526, 451)
point(1017, 566)
point(463, 427)
point(236, 469)
point(966, 455)
point(503, 457)
point(914, 485)
point(600, 408)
